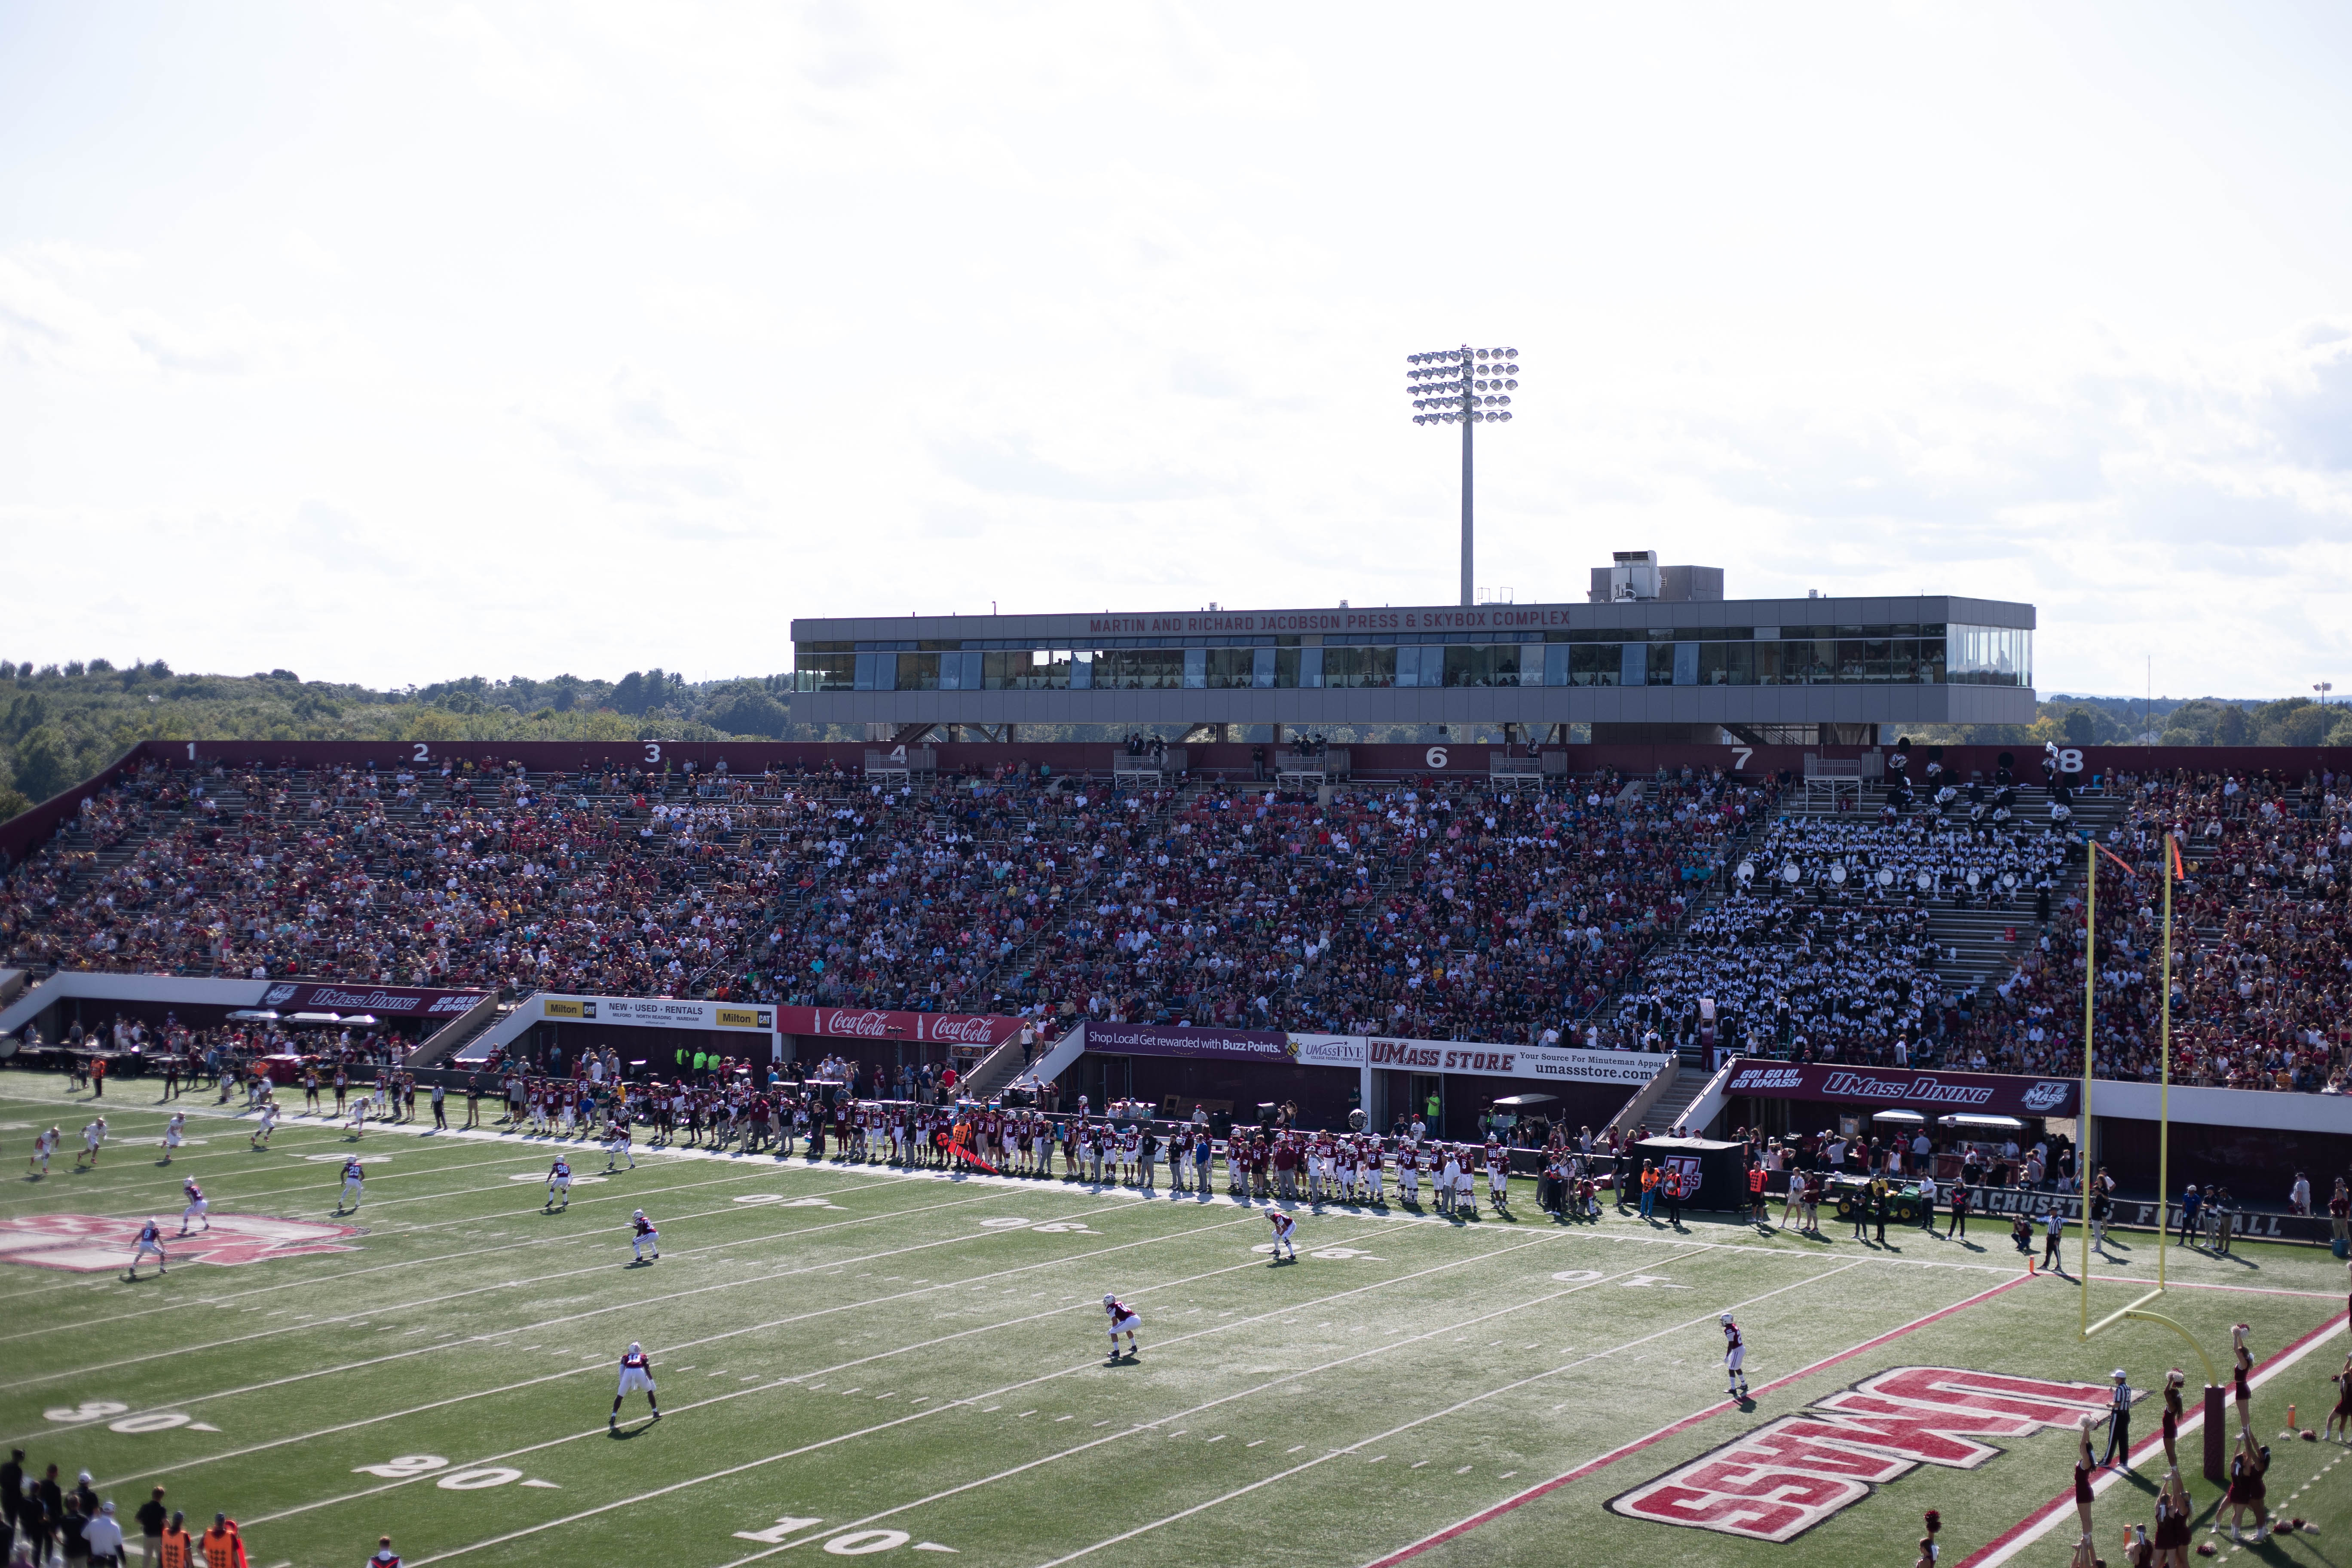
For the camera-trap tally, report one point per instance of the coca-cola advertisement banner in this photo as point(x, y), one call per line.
point(297, 996)
point(986, 1029)
point(1217, 1045)
point(1932, 1094)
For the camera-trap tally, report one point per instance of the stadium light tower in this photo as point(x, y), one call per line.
point(1463, 386)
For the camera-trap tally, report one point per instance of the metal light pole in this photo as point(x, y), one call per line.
point(1463, 386)
point(2323, 688)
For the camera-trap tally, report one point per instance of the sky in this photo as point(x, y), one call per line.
point(399, 342)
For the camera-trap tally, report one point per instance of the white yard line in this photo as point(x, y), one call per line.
point(1453, 1409)
point(636, 1196)
point(545, 1323)
point(317, 1179)
point(766, 1385)
point(2059, 1511)
point(1224, 1326)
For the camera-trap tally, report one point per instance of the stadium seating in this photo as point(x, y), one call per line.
point(1597, 909)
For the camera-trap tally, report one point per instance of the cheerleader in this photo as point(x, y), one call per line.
point(2173, 1381)
point(2247, 1488)
point(2084, 1464)
point(2339, 1420)
point(2173, 1514)
point(2244, 1363)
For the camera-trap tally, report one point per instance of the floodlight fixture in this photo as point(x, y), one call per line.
point(1463, 386)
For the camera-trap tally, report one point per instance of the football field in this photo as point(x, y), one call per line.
point(856, 1361)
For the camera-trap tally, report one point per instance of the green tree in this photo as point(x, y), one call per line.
point(749, 713)
point(45, 763)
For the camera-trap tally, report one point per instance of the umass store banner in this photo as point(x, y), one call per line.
point(1362, 1053)
point(1631, 1069)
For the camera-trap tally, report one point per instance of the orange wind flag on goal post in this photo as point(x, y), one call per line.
point(2121, 864)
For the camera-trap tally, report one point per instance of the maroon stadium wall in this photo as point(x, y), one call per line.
point(1234, 761)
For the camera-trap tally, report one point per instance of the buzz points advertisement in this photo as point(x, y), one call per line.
point(657, 1013)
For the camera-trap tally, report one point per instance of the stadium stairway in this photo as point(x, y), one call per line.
point(1674, 1100)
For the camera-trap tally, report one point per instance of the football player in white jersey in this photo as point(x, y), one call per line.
point(151, 1239)
point(176, 1132)
point(1498, 1175)
point(44, 1146)
point(94, 1138)
point(268, 1124)
point(1735, 1359)
point(354, 1184)
point(643, 1237)
point(1124, 1319)
point(1284, 1227)
point(359, 1115)
point(198, 1208)
point(616, 1146)
point(558, 1183)
point(637, 1376)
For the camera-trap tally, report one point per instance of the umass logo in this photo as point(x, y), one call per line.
point(1789, 1475)
point(89, 1244)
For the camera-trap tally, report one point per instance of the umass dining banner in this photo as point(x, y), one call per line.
point(1930, 1093)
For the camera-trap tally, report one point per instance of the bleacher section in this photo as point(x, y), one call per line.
point(1500, 907)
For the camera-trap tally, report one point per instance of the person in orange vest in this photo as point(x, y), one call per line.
point(1649, 1190)
point(175, 1548)
point(223, 1548)
point(1755, 1193)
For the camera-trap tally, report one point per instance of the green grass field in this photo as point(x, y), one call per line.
point(854, 1362)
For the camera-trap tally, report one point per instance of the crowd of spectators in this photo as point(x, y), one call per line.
point(1472, 910)
point(2260, 972)
point(1822, 949)
point(1478, 910)
point(464, 879)
point(1495, 909)
point(1818, 980)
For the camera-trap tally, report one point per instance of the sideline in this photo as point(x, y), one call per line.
point(2060, 1509)
point(1626, 1451)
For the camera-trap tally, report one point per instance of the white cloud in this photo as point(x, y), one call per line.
point(530, 334)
